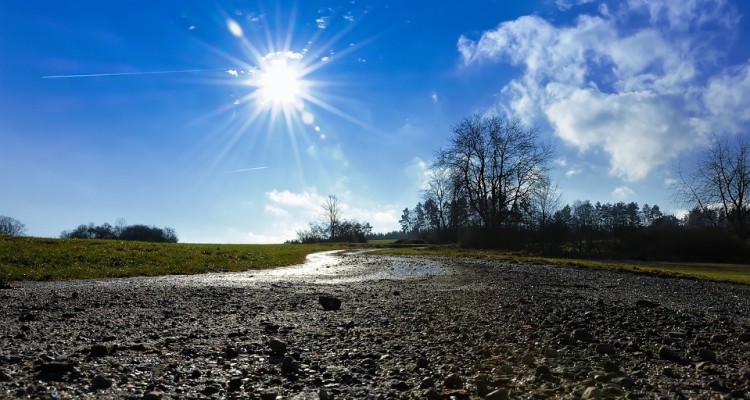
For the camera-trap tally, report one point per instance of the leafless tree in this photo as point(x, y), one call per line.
point(332, 214)
point(11, 226)
point(720, 180)
point(499, 163)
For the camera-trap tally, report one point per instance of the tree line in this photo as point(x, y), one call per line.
point(333, 227)
point(490, 188)
point(120, 231)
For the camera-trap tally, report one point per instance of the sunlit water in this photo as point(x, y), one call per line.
point(329, 267)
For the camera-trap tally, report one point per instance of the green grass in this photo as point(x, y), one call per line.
point(735, 273)
point(27, 258)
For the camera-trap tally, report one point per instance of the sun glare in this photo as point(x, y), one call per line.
point(279, 81)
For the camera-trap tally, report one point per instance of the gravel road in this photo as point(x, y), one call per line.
point(404, 328)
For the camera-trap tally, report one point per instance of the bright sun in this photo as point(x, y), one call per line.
point(279, 81)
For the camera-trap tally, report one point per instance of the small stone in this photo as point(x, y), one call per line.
point(268, 396)
point(235, 384)
point(289, 365)
point(528, 359)
point(98, 350)
point(210, 390)
point(231, 353)
point(100, 382)
point(427, 383)
point(543, 370)
point(591, 392)
point(500, 394)
point(329, 303)
point(667, 353)
point(153, 395)
point(422, 363)
point(550, 353)
point(646, 304)
point(719, 338)
point(323, 394)
point(368, 363)
point(432, 394)
point(744, 337)
point(401, 386)
point(605, 348)
point(582, 335)
point(277, 346)
point(453, 381)
point(624, 381)
point(707, 355)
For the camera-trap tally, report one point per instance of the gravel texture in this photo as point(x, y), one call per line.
point(362, 326)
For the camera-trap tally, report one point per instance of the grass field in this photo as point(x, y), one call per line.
point(27, 258)
point(735, 273)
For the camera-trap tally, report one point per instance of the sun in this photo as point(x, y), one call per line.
point(280, 82)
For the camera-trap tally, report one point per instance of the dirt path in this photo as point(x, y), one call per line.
point(407, 328)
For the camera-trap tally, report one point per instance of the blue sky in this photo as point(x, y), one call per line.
point(230, 121)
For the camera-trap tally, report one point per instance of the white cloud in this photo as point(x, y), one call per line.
point(572, 172)
point(622, 193)
point(637, 92)
point(419, 171)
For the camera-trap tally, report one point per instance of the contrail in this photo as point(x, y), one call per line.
point(181, 71)
point(244, 170)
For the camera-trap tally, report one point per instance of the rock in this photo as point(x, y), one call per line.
point(591, 392)
point(4, 377)
point(667, 353)
point(453, 381)
point(268, 396)
point(99, 350)
point(624, 381)
point(719, 338)
point(500, 394)
point(277, 347)
point(582, 335)
point(210, 390)
point(707, 355)
point(153, 395)
point(528, 359)
point(100, 382)
point(368, 363)
point(646, 304)
point(289, 365)
point(550, 353)
point(401, 386)
point(323, 394)
point(329, 303)
point(55, 368)
point(422, 363)
point(744, 337)
point(432, 394)
point(231, 353)
point(542, 370)
point(605, 348)
point(234, 384)
point(427, 383)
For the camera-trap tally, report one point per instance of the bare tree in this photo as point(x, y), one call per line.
point(332, 214)
point(499, 164)
point(720, 180)
point(11, 226)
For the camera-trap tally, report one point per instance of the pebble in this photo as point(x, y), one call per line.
point(277, 347)
point(329, 303)
point(605, 348)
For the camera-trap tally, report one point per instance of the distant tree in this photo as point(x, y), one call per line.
point(332, 214)
point(406, 221)
point(11, 226)
point(141, 233)
point(720, 180)
point(498, 163)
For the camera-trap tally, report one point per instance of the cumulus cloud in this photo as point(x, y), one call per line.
point(622, 193)
point(638, 80)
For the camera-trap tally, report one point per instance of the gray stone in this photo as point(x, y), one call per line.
point(453, 381)
point(99, 350)
point(707, 355)
point(432, 394)
point(591, 392)
point(605, 348)
point(329, 303)
point(100, 382)
point(210, 390)
point(289, 365)
point(667, 353)
point(277, 346)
